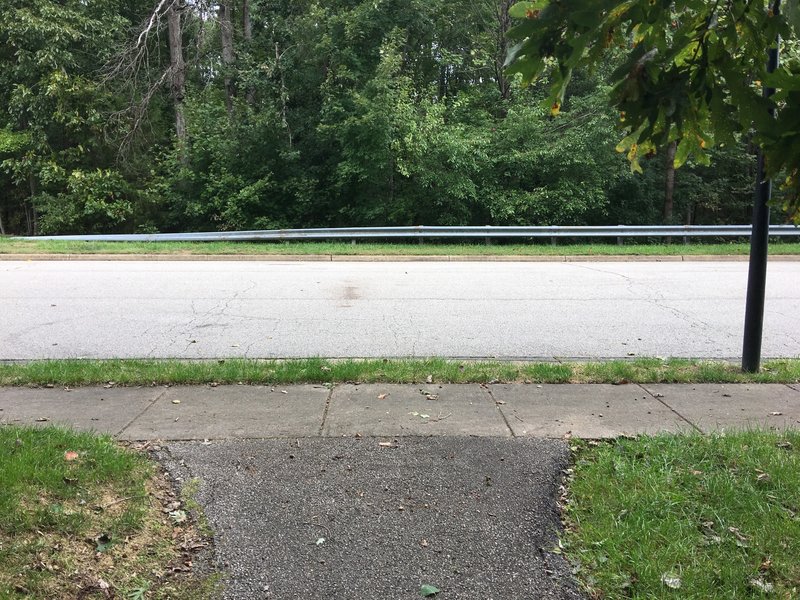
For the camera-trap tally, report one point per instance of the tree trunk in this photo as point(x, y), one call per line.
point(177, 72)
point(247, 25)
point(228, 58)
point(503, 25)
point(30, 209)
point(669, 182)
point(2, 229)
point(284, 94)
point(247, 31)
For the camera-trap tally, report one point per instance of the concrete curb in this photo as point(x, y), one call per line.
point(389, 258)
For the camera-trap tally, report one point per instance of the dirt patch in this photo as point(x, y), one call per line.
point(143, 546)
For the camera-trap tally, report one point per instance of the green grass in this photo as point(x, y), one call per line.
point(719, 513)
point(76, 508)
point(9, 246)
point(318, 370)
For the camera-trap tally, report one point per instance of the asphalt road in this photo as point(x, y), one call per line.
point(388, 309)
point(349, 518)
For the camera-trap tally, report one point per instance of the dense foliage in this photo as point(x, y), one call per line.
point(693, 73)
point(180, 115)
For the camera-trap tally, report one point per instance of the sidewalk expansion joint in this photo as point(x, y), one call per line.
point(499, 409)
point(661, 400)
point(144, 410)
point(325, 410)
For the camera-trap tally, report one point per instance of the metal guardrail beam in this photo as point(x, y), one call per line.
point(424, 231)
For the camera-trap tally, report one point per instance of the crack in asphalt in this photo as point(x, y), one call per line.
point(649, 297)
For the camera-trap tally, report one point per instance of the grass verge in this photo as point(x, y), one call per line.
point(10, 246)
point(687, 517)
point(81, 517)
point(318, 370)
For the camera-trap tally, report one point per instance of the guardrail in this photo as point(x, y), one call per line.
point(424, 231)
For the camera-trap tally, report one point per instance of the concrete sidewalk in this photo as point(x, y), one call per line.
point(387, 410)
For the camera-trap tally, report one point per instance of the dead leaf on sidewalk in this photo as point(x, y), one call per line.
point(382, 396)
point(775, 413)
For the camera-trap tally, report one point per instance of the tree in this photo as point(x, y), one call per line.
point(692, 73)
point(52, 120)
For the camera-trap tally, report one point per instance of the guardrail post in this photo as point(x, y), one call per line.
point(353, 242)
point(619, 241)
point(554, 241)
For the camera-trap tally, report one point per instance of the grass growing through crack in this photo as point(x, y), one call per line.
point(80, 518)
point(687, 516)
point(318, 370)
point(11, 246)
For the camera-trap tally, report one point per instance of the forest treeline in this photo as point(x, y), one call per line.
point(179, 115)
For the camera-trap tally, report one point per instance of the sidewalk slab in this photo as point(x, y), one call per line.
point(105, 410)
point(583, 410)
point(712, 407)
point(346, 518)
point(454, 409)
point(237, 411)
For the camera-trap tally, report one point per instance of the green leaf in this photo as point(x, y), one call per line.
point(520, 9)
point(428, 590)
point(586, 18)
point(782, 79)
point(791, 9)
point(682, 153)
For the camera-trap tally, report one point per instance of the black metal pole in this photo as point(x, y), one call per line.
point(759, 244)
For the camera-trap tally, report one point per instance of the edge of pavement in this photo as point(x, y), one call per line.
point(395, 257)
point(591, 411)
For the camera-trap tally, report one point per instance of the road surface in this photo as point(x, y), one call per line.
point(388, 309)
